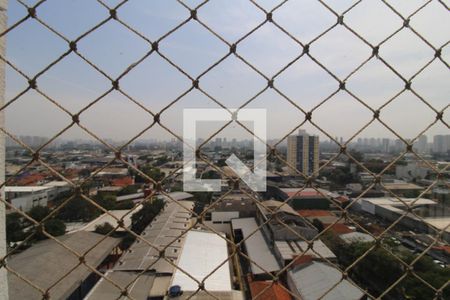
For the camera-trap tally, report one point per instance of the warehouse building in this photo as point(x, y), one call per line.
point(54, 262)
point(143, 257)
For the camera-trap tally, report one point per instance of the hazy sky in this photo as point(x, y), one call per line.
point(155, 83)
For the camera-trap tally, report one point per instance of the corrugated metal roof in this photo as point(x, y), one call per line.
point(291, 249)
point(139, 289)
point(165, 230)
point(160, 286)
point(53, 262)
point(257, 248)
point(314, 279)
point(202, 253)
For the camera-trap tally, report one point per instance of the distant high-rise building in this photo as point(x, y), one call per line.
point(385, 145)
point(421, 144)
point(233, 142)
point(441, 143)
point(399, 145)
point(303, 153)
point(218, 142)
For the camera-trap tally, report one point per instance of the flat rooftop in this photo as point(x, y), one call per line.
point(395, 202)
point(166, 228)
point(291, 249)
point(315, 279)
point(402, 186)
point(140, 289)
point(25, 189)
point(111, 218)
point(57, 184)
point(175, 196)
point(307, 192)
point(202, 253)
point(439, 223)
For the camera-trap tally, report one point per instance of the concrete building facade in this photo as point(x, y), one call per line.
point(303, 153)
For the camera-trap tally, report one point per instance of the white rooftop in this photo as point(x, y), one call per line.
point(354, 237)
point(394, 201)
point(440, 223)
point(202, 253)
point(314, 280)
point(56, 184)
point(25, 189)
point(291, 249)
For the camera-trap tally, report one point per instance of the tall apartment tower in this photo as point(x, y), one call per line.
point(303, 153)
point(421, 144)
point(441, 143)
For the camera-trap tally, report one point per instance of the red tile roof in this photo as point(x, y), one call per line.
point(31, 179)
point(123, 182)
point(338, 228)
point(443, 248)
point(301, 260)
point(274, 291)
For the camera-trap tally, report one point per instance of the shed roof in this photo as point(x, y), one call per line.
point(202, 253)
point(138, 290)
point(257, 248)
point(164, 230)
point(314, 279)
point(291, 249)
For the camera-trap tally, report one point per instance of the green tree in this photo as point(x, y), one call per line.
point(106, 201)
point(128, 190)
point(127, 204)
point(104, 228)
point(152, 172)
point(201, 200)
point(340, 176)
point(359, 156)
point(14, 228)
point(78, 209)
point(54, 227)
point(39, 212)
point(160, 161)
point(211, 174)
point(146, 214)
